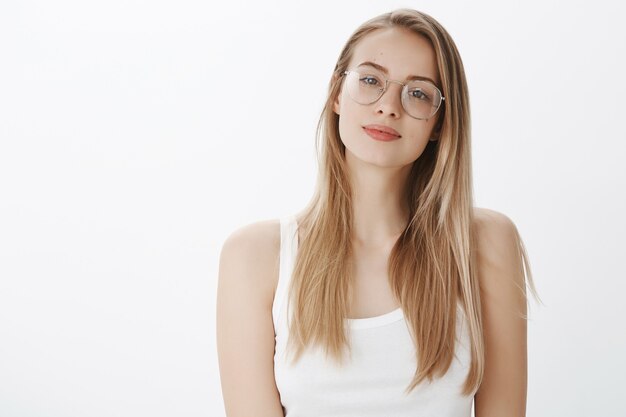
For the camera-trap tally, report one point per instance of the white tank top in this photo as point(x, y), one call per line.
point(372, 383)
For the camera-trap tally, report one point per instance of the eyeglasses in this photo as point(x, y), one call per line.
point(420, 99)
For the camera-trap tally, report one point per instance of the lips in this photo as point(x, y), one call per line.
point(382, 128)
point(381, 132)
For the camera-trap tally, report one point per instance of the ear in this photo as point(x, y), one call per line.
point(337, 103)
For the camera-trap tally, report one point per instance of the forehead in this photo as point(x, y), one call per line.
point(401, 51)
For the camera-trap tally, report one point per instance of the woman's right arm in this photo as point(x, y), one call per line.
point(245, 332)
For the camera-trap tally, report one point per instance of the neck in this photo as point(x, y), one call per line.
point(380, 213)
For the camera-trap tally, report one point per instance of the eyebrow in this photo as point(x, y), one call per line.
point(383, 69)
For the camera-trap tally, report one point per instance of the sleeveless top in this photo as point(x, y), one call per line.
point(372, 382)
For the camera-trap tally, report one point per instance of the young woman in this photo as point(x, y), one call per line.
point(390, 294)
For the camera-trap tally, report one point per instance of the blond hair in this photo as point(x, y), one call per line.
point(430, 266)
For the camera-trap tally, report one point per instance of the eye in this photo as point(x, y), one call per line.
point(369, 80)
point(418, 94)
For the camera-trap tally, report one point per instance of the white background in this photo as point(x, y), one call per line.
point(136, 135)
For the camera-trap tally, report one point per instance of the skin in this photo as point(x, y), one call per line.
point(248, 271)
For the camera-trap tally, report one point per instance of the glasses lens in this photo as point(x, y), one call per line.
point(421, 99)
point(364, 88)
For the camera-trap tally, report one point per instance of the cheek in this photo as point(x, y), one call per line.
point(414, 144)
point(349, 123)
point(417, 147)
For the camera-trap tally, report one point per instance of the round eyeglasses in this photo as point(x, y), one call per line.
point(420, 99)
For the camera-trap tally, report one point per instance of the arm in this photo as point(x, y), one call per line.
point(245, 331)
point(503, 297)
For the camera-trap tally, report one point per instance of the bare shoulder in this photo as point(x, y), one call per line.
point(496, 237)
point(254, 249)
point(262, 231)
point(488, 222)
point(497, 248)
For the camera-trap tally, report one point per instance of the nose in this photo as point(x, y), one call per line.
point(391, 102)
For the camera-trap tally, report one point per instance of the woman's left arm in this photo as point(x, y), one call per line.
point(503, 299)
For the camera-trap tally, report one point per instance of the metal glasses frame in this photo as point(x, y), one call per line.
point(404, 88)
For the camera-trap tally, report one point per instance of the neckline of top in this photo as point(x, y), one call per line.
point(376, 321)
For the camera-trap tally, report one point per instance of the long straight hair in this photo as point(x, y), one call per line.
point(431, 265)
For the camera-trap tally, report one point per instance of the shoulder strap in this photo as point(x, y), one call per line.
point(288, 248)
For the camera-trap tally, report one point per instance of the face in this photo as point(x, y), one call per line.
point(403, 54)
